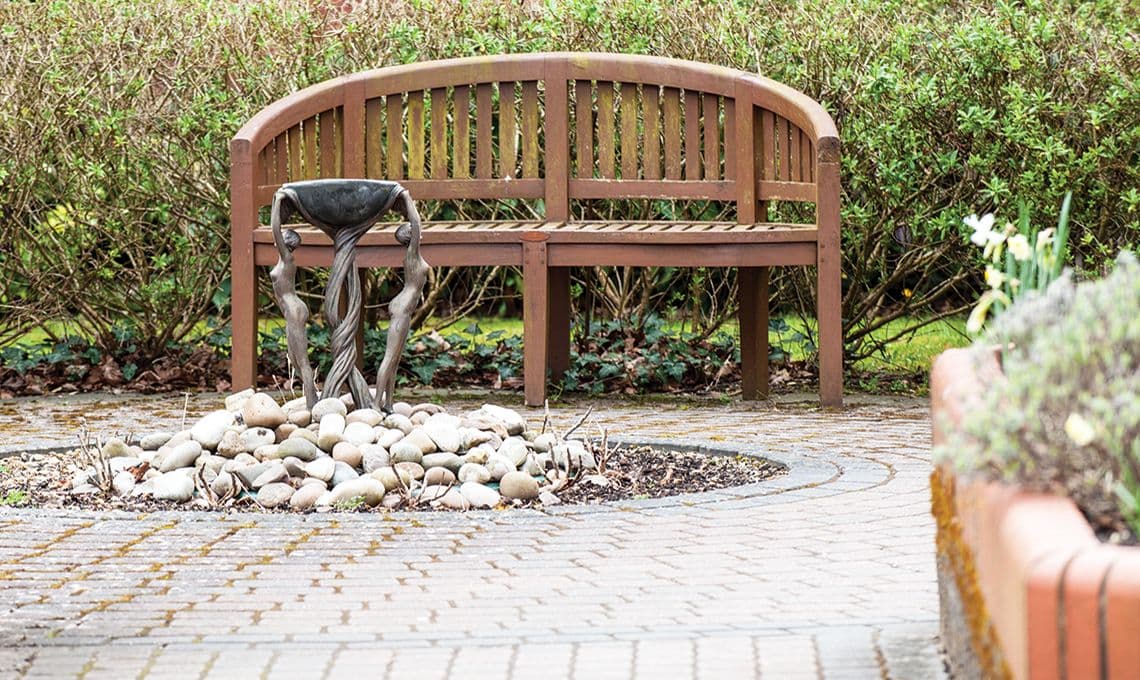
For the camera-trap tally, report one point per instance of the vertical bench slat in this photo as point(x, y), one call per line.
point(295, 142)
point(768, 147)
point(805, 159)
point(373, 141)
point(340, 158)
point(606, 129)
point(783, 143)
point(556, 170)
point(309, 135)
point(281, 157)
point(793, 153)
point(265, 165)
point(730, 140)
point(508, 131)
point(462, 132)
point(395, 105)
point(692, 135)
point(584, 127)
point(530, 128)
point(416, 135)
point(439, 133)
point(710, 105)
point(650, 112)
point(629, 136)
point(672, 116)
point(483, 140)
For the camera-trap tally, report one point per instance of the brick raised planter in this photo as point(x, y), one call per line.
point(1027, 590)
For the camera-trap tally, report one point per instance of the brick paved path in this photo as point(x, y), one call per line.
point(828, 573)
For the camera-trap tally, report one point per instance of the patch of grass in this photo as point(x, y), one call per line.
point(14, 497)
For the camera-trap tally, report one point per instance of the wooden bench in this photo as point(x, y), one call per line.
point(559, 128)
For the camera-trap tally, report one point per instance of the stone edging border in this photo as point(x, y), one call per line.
point(809, 476)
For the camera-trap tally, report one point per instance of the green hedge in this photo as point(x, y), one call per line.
point(115, 117)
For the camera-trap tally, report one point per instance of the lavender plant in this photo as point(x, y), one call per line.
point(1066, 416)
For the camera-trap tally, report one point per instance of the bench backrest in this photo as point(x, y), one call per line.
point(556, 127)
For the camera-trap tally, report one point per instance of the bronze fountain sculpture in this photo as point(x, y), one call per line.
point(345, 209)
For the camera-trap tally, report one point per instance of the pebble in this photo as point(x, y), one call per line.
point(548, 498)
point(543, 442)
point(402, 408)
point(439, 475)
point(261, 410)
point(444, 431)
point(418, 418)
point(369, 416)
point(421, 440)
point(235, 401)
point(123, 483)
point(371, 490)
point(117, 465)
point(306, 497)
point(295, 466)
point(275, 473)
point(342, 473)
point(414, 469)
point(84, 489)
point(223, 485)
point(327, 406)
point(479, 495)
point(306, 434)
point(230, 445)
point(433, 492)
point(473, 472)
point(514, 450)
point(284, 431)
point(274, 495)
point(155, 440)
point(531, 467)
point(406, 452)
point(396, 421)
point(446, 460)
point(499, 467)
point(510, 419)
point(390, 478)
point(386, 437)
point(249, 473)
point(358, 433)
point(472, 437)
point(374, 457)
point(331, 431)
point(322, 468)
point(180, 456)
point(348, 453)
point(480, 454)
point(208, 431)
point(294, 405)
point(298, 447)
point(518, 485)
point(453, 500)
point(267, 452)
point(174, 486)
point(426, 407)
point(114, 448)
point(301, 417)
point(255, 437)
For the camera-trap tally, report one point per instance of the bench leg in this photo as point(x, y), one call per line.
point(558, 321)
point(243, 323)
point(536, 306)
point(829, 312)
point(753, 297)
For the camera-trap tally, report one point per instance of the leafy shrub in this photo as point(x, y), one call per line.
point(1067, 414)
point(115, 117)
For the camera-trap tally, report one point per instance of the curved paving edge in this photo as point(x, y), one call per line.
point(802, 472)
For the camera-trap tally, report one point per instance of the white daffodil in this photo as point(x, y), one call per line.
point(1019, 247)
point(1079, 430)
point(983, 228)
point(1044, 239)
point(994, 277)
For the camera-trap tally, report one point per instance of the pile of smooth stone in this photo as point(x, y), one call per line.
point(335, 457)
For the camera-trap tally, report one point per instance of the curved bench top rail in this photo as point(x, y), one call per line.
point(768, 94)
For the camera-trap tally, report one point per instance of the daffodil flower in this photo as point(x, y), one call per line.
point(1044, 239)
point(1019, 247)
point(983, 228)
point(1079, 430)
point(994, 277)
